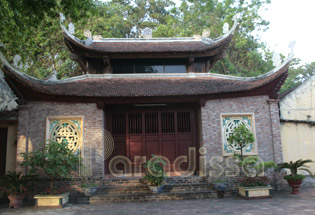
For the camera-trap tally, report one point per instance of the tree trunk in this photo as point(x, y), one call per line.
point(51, 184)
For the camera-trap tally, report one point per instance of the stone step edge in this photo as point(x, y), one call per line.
point(151, 194)
point(146, 185)
point(141, 180)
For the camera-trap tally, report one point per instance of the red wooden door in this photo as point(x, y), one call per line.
point(168, 133)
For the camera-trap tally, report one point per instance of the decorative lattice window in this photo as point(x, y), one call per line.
point(229, 122)
point(65, 129)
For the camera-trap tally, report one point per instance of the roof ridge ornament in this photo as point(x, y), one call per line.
point(291, 47)
point(196, 37)
point(71, 28)
point(62, 17)
point(146, 33)
point(236, 17)
point(276, 59)
point(17, 61)
point(226, 28)
point(206, 33)
point(53, 76)
point(87, 33)
point(7, 97)
point(97, 37)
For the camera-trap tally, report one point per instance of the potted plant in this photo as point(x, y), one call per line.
point(154, 173)
point(254, 184)
point(16, 185)
point(241, 138)
point(219, 186)
point(295, 179)
point(88, 188)
point(56, 160)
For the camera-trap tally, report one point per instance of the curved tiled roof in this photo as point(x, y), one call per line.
point(147, 85)
point(188, 45)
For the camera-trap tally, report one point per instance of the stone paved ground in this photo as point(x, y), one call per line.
point(281, 203)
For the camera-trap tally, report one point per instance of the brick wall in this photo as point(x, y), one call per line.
point(32, 129)
point(267, 126)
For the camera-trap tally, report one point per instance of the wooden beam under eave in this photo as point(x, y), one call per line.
point(191, 64)
point(80, 61)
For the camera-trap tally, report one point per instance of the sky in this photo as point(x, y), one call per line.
point(291, 20)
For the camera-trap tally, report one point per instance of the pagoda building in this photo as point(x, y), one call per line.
point(144, 96)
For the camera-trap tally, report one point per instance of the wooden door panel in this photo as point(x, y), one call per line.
point(152, 147)
point(183, 146)
point(169, 133)
point(135, 149)
point(169, 149)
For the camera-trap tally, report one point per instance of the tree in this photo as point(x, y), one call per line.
point(241, 137)
point(56, 160)
point(298, 74)
point(28, 28)
point(44, 50)
point(246, 55)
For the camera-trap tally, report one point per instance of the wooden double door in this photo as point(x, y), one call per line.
point(165, 132)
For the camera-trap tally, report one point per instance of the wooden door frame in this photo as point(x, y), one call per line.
point(177, 107)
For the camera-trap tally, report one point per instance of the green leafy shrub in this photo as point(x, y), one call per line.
point(15, 183)
point(154, 173)
point(252, 163)
point(56, 160)
point(294, 177)
point(254, 181)
point(241, 137)
point(294, 167)
point(256, 168)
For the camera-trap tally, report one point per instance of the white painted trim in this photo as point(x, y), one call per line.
point(67, 118)
point(253, 127)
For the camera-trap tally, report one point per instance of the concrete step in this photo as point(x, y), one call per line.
point(123, 189)
point(141, 181)
point(137, 189)
point(152, 197)
point(168, 188)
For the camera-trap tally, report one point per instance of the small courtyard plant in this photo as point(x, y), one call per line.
point(253, 184)
point(16, 186)
point(241, 137)
point(154, 173)
point(295, 179)
point(254, 172)
point(219, 186)
point(88, 187)
point(56, 161)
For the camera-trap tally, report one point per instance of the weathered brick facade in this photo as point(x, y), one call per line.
point(32, 128)
point(266, 121)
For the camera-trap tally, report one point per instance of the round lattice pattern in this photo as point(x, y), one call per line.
point(66, 131)
point(229, 128)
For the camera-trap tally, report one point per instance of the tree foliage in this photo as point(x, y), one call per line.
point(296, 165)
point(31, 28)
point(298, 74)
point(56, 160)
point(242, 137)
